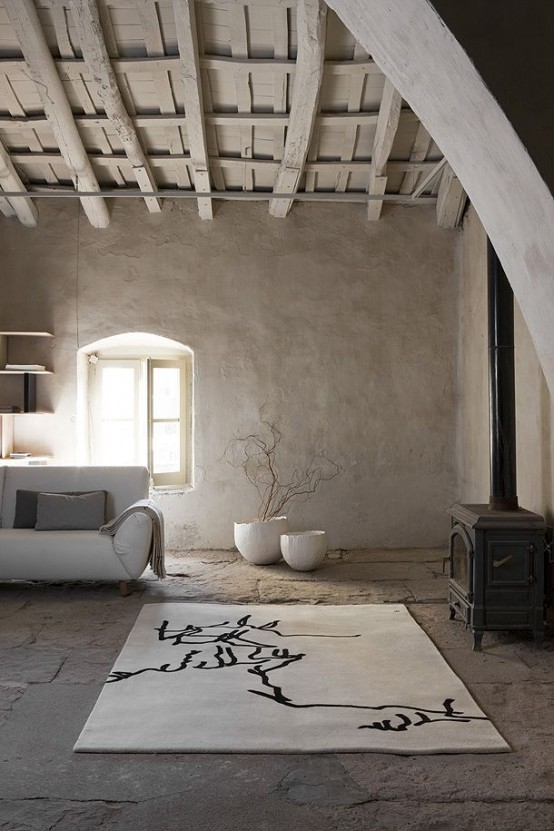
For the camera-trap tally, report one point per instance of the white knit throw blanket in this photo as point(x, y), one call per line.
point(146, 506)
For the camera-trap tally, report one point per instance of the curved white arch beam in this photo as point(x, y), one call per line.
point(434, 74)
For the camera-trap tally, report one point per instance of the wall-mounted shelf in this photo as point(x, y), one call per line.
point(29, 385)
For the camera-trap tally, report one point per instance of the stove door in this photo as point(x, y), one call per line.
point(461, 559)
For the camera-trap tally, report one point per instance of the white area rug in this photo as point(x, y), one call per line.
point(197, 677)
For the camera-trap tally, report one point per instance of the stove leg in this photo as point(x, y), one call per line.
point(539, 640)
point(452, 613)
point(477, 638)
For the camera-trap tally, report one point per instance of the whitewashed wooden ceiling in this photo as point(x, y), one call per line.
point(155, 98)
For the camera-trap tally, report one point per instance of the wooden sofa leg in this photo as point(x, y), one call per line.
point(124, 588)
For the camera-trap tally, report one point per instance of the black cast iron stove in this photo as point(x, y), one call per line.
point(497, 550)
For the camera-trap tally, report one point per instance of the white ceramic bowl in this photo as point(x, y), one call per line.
point(259, 542)
point(304, 550)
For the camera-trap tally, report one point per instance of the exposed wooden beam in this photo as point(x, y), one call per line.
point(419, 152)
point(26, 24)
point(87, 22)
point(170, 160)
point(451, 200)
point(131, 4)
point(212, 138)
point(387, 125)
point(429, 178)
point(189, 66)
point(356, 197)
point(239, 49)
point(10, 180)
point(311, 27)
point(336, 120)
point(153, 39)
point(5, 207)
point(73, 67)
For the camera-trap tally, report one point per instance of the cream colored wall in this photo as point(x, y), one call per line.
point(344, 330)
point(533, 403)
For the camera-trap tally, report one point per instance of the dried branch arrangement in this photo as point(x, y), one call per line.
point(256, 454)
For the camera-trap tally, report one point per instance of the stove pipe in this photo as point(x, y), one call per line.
point(501, 387)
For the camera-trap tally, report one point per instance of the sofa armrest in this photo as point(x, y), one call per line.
point(132, 541)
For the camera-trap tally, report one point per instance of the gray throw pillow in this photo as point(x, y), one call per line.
point(26, 506)
point(61, 512)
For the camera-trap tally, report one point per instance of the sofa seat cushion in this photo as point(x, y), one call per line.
point(26, 554)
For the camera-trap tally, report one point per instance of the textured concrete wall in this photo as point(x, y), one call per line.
point(533, 402)
point(344, 330)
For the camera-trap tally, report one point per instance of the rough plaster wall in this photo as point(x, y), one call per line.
point(533, 403)
point(345, 330)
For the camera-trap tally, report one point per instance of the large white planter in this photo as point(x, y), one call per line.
point(259, 542)
point(304, 550)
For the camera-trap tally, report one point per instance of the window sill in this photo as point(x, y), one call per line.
point(170, 489)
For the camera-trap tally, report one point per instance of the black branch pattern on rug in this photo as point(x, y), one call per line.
point(240, 644)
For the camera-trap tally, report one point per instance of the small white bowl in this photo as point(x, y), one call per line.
point(304, 550)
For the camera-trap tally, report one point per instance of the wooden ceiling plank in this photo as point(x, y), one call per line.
point(118, 176)
point(239, 49)
point(11, 181)
point(164, 93)
point(150, 24)
point(87, 22)
point(26, 24)
point(280, 78)
point(30, 136)
point(419, 152)
point(59, 18)
point(211, 130)
point(357, 80)
point(311, 27)
point(189, 65)
point(107, 27)
point(9, 97)
point(451, 200)
point(212, 143)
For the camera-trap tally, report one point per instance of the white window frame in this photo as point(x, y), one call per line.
point(177, 477)
point(144, 367)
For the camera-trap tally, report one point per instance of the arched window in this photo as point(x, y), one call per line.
point(135, 405)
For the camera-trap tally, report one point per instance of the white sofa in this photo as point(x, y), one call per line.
point(26, 554)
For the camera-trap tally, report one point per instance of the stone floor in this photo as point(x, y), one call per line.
point(58, 643)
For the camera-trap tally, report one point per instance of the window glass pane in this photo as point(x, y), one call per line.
point(118, 443)
point(118, 392)
point(166, 447)
point(166, 393)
